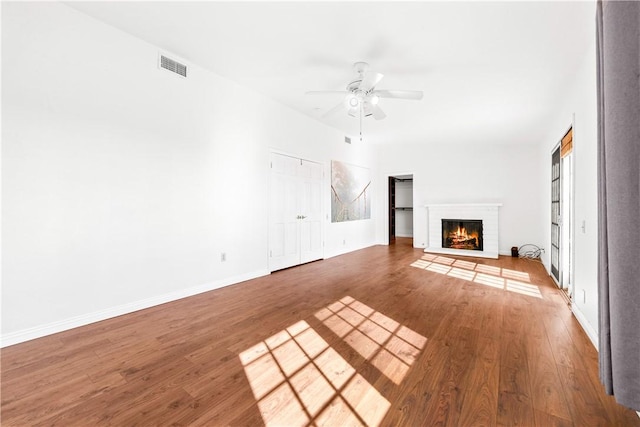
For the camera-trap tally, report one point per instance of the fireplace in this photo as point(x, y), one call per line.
point(488, 213)
point(462, 234)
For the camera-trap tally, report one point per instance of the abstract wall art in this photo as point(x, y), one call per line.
point(350, 192)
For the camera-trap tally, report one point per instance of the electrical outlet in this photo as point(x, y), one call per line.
point(344, 242)
point(223, 256)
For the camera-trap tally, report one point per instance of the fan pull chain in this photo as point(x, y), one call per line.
point(361, 122)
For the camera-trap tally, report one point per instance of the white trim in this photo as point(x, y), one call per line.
point(289, 154)
point(463, 204)
point(572, 213)
point(586, 326)
point(404, 235)
point(462, 252)
point(351, 249)
point(97, 316)
point(386, 204)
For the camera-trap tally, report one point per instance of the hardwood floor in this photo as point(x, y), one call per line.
point(378, 336)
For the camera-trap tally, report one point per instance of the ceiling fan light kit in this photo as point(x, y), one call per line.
point(352, 101)
point(361, 97)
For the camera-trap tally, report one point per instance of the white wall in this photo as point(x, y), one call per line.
point(580, 105)
point(123, 183)
point(458, 173)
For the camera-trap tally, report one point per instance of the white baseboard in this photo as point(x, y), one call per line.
point(586, 326)
point(85, 319)
point(404, 235)
point(349, 249)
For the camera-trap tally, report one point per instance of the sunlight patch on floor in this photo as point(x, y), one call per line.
point(523, 288)
point(297, 378)
point(388, 345)
point(438, 268)
point(488, 280)
point(444, 260)
point(513, 274)
point(420, 263)
point(464, 264)
point(488, 269)
point(495, 277)
point(461, 274)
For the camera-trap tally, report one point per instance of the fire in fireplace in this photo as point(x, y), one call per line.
point(462, 234)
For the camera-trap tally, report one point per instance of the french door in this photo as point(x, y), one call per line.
point(556, 190)
point(295, 211)
point(562, 213)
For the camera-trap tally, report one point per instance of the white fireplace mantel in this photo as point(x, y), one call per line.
point(487, 212)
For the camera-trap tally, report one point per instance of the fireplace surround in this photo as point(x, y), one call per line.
point(487, 213)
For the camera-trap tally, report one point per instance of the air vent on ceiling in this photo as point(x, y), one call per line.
point(347, 140)
point(173, 66)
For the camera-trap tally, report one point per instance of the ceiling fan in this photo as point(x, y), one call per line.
point(361, 96)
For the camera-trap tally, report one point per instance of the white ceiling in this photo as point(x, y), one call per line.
point(491, 72)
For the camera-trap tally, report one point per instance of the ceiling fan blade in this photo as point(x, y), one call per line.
point(399, 94)
point(377, 112)
point(369, 81)
point(366, 109)
point(334, 110)
point(326, 92)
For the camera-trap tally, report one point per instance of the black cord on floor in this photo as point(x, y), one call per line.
point(530, 251)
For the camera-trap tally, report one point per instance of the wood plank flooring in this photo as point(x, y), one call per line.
point(381, 336)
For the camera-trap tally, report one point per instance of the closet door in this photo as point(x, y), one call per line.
point(284, 212)
point(311, 211)
point(295, 212)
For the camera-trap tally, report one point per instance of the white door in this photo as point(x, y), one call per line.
point(311, 211)
point(295, 212)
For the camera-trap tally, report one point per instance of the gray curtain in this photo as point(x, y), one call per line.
point(618, 67)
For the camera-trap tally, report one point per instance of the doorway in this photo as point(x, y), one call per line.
point(562, 214)
point(555, 214)
point(400, 207)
